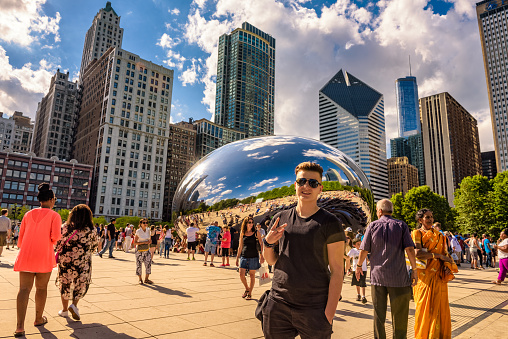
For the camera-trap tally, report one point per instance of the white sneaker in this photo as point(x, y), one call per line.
point(74, 311)
point(63, 314)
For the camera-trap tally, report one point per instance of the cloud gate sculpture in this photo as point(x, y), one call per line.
point(257, 175)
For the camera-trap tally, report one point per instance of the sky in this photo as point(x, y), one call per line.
point(314, 40)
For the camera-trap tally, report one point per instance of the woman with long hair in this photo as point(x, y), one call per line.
point(79, 240)
point(248, 256)
point(101, 237)
point(154, 237)
point(39, 232)
point(474, 247)
point(432, 316)
point(142, 242)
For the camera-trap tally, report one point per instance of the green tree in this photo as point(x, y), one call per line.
point(64, 214)
point(498, 201)
point(123, 221)
point(473, 206)
point(99, 220)
point(18, 212)
point(405, 207)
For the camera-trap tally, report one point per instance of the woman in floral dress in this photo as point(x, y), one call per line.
point(79, 240)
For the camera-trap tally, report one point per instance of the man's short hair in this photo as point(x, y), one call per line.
point(4, 211)
point(309, 166)
point(385, 205)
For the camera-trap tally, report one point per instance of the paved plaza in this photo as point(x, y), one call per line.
point(189, 300)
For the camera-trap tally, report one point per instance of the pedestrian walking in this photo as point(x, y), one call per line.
point(212, 238)
point(191, 240)
point(128, 238)
point(502, 253)
point(5, 229)
point(386, 239)
point(142, 242)
point(110, 237)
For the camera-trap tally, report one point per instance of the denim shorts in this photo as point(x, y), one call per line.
point(249, 263)
point(209, 247)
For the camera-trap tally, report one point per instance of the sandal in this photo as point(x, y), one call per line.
point(204, 264)
point(140, 282)
point(212, 265)
point(248, 297)
point(44, 321)
point(497, 282)
point(19, 334)
point(148, 281)
point(245, 293)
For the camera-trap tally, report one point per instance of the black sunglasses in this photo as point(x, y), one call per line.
point(312, 182)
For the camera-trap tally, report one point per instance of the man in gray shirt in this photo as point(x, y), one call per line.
point(5, 229)
point(386, 239)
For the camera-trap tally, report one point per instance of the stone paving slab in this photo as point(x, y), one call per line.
point(189, 300)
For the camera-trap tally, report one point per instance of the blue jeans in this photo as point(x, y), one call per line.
point(168, 242)
point(489, 258)
point(109, 244)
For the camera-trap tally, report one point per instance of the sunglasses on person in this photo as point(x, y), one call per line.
point(312, 182)
point(144, 222)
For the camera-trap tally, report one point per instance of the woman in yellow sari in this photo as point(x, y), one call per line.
point(432, 317)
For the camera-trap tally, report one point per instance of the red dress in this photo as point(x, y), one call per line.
point(40, 230)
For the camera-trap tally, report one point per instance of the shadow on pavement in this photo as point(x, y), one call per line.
point(93, 330)
point(168, 291)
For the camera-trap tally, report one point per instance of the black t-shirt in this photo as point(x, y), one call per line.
point(250, 249)
point(301, 275)
point(112, 230)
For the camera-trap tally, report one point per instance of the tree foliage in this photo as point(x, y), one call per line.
point(498, 200)
point(99, 220)
point(64, 214)
point(406, 206)
point(123, 221)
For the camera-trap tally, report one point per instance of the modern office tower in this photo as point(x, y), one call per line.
point(492, 20)
point(210, 136)
point(351, 118)
point(412, 148)
point(408, 112)
point(6, 131)
point(402, 176)
point(55, 119)
point(451, 143)
point(23, 173)
point(23, 132)
point(245, 81)
point(104, 33)
point(181, 157)
point(489, 168)
point(123, 133)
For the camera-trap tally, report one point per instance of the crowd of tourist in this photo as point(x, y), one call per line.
point(291, 241)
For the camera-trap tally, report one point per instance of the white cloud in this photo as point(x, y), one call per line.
point(21, 88)
point(199, 3)
point(257, 156)
point(23, 22)
point(372, 42)
point(221, 179)
point(174, 11)
point(226, 192)
point(190, 75)
point(167, 42)
point(263, 182)
point(174, 59)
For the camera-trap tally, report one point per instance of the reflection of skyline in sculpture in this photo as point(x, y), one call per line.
point(249, 168)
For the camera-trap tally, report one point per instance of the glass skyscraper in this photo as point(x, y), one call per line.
point(351, 118)
point(408, 112)
point(245, 81)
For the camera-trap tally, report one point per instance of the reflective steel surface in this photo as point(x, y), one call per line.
point(260, 172)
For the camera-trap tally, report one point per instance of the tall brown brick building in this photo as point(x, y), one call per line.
point(451, 143)
point(181, 157)
point(402, 176)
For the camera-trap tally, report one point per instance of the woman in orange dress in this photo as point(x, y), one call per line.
point(432, 317)
point(39, 232)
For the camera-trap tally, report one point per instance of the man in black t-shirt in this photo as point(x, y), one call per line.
point(110, 237)
point(306, 245)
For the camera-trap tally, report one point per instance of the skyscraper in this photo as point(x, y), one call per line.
point(55, 119)
point(16, 132)
point(123, 133)
point(492, 20)
point(402, 176)
point(451, 143)
point(411, 147)
point(408, 112)
point(489, 168)
point(351, 118)
point(211, 136)
point(245, 81)
point(104, 33)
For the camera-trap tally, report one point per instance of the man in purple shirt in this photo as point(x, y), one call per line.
point(386, 239)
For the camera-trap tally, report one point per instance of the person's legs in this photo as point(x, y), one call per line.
point(138, 265)
point(399, 305)
point(152, 252)
point(312, 324)
point(26, 281)
point(277, 321)
point(480, 257)
point(41, 294)
point(1, 250)
point(503, 269)
point(488, 263)
point(379, 301)
point(111, 247)
point(147, 259)
point(252, 274)
point(243, 278)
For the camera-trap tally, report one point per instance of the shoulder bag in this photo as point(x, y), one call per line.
point(58, 253)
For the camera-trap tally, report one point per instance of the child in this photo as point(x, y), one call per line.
point(355, 253)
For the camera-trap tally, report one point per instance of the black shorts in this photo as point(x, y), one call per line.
point(360, 283)
point(225, 252)
point(191, 245)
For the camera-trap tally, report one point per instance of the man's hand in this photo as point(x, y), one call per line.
point(330, 317)
point(276, 232)
point(414, 277)
point(359, 272)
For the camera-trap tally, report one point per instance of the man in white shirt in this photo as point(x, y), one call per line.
point(128, 238)
point(5, 229)
point(191, 240)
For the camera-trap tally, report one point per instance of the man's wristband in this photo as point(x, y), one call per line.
point(267, 244)
point(358, 265)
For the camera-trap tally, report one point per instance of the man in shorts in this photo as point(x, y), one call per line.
point(212, 237)
point(5, 229)
point(128, 239)
point(191, 240)
point(306, 245)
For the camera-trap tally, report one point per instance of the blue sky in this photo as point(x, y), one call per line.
point(370, 39)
